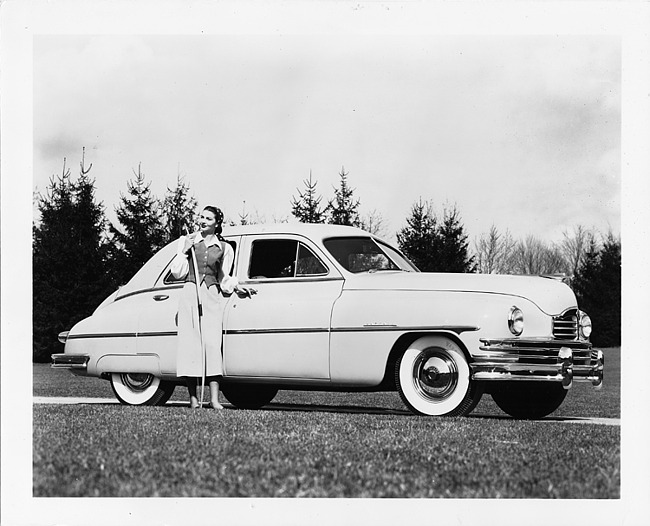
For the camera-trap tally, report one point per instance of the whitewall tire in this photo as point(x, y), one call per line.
point(140, 389)
point(433, 378)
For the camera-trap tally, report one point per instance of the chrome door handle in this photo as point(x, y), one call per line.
point(161, 297)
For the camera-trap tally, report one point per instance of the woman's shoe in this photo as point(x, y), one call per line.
point(194, 403)
point(216, 405)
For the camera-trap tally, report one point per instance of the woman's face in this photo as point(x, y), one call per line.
point(207, 222)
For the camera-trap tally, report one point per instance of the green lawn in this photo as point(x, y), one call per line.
point(320, 445)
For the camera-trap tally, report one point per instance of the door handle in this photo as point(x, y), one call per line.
point(160, 297)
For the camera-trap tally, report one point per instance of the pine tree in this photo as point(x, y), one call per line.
point(434, 246)
point(454, 247)
point(178, 210)
point(419, 239)
point(142, 233)
point(244, 216)
point(306, 207)
point(597, 285)
point(343, 209)
point(70, 267)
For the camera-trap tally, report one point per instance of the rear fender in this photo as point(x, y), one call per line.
point(122, 363)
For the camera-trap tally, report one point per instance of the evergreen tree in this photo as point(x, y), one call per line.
point(343, 209)
point(306, 207)
point(419, 240)
point(142, 233)
point(243, 215)
point(435, 246)
point(597, 285)
point(454, 246)
point(70, 267)
point(178, 211)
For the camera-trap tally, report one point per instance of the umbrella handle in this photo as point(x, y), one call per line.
point(200, 313)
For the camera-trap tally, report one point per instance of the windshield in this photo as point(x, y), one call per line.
point(364, 254)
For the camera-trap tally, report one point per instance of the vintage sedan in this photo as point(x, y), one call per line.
point(340, 309)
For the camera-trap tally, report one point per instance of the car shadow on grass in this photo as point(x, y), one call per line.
point(406, 412)
point(324, 408)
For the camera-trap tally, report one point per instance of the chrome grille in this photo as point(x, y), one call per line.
point(565, 326)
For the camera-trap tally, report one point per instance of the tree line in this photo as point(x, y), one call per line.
point(80, 257)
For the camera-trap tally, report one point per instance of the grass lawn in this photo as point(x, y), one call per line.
point(321, 445)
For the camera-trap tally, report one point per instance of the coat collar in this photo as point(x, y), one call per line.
point(214, 240)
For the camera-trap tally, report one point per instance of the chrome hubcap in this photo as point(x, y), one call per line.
point(435, 375)
point(137, 381)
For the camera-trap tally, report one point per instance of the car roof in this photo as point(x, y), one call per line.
point(310, 230)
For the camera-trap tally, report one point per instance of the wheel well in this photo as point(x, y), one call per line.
point(402, 343)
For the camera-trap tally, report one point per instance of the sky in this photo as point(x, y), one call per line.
point(519, 131)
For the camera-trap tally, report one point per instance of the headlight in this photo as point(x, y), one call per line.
point(585, 325)
point(516, 321)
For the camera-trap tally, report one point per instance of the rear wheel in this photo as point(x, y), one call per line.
point(141, 389)
point(433, 378)
point(248, 396)
point(528, 400)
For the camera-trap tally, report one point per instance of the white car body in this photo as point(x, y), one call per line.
point(341, 330)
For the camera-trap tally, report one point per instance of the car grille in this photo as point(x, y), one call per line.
point(565, 326)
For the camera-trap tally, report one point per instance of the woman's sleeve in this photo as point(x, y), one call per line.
point(227, 282)
point(180, 267)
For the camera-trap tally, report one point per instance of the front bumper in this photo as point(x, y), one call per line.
point(538, 360)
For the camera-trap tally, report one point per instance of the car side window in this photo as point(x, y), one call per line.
point(283, 258)
point(308, 264)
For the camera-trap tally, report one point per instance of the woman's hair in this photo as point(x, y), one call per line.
point(218, 216)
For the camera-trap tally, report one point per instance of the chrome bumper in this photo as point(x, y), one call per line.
point(70, 361)
point(538, 360)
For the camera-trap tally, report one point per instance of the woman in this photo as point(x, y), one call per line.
point(214, 258)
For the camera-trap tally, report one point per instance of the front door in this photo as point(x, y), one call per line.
point(283, 330)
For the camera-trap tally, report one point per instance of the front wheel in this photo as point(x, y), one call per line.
point(433, 378)
point(528, 400)
point(248, 396)
point(141, 389)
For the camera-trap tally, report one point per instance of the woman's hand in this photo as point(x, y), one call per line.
point(246, 292)
point(188, 244)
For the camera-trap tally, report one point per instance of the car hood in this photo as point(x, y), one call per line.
point(551, 295)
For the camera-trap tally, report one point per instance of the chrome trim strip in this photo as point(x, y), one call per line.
point(277, 331)
point(121, 335)
point(102, 335)
point(393, 328)
point(365, 328)
point(152, 289)
point(291, 279)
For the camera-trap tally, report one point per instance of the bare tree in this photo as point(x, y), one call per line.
point(574, 247)
point(374, 223)
point(532, 256)
point(494, 252)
